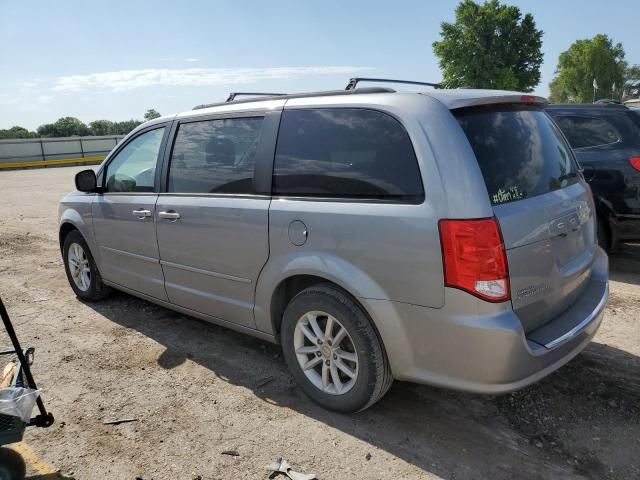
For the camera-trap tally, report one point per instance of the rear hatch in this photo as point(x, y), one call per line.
point(542, 205)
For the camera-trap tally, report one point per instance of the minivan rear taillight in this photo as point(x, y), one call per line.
point(474, 258)
point(635, 162)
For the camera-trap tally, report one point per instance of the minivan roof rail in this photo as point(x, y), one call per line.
point(354, 81)
point(329, 93)
point(232, 96)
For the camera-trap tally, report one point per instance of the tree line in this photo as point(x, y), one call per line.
point(71, 126)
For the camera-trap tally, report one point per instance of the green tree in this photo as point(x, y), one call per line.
point(64, 127)
point(17, 132)
point(490, 46)
point(70, 126)
point(585, 60)
point(122, 128)
point(151, 114)
point(102, 127)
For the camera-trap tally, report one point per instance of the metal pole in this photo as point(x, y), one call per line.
point(44, 419)
point(42, 149)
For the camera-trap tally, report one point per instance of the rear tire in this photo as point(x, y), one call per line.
point(82, 271)
point(12, 466)
point(348, 370)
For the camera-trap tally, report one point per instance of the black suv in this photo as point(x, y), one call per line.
point(605, 138)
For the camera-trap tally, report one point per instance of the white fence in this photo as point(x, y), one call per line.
point(41, 152)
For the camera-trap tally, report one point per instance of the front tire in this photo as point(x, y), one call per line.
point(333, 351)
point(82, 271)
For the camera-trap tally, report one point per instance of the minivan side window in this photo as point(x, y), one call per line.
point(345, 153)
point(133, 169)
point(215, 156)
point(584, 131)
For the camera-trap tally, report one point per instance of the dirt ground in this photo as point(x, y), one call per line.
point(196, 389)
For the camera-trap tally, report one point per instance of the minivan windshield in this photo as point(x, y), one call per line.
point(519, 149)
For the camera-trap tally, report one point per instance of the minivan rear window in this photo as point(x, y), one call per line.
point(520, 151)
point(349, 153)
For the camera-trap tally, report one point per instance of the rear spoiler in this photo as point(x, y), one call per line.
point(454, 99)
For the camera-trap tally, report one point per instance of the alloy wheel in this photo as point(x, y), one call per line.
point(79, 267)
point(326, 352)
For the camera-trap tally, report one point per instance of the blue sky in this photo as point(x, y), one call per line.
point(115, 59)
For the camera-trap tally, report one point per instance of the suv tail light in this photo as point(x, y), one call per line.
point(474, 258)
point(635, 162)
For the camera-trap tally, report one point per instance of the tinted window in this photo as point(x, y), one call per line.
point(520, 151)
point(633, 137)
point(347, 153)
point(215, 156)
point(134, 167)
point(585, 132)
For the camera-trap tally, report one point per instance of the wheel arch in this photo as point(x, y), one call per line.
point(72, 219)
point(65, 229)
point(282, 278)
point(290, 286)
point(604, 208)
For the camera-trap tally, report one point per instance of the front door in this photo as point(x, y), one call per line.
point(123, 216)
point(212, 226)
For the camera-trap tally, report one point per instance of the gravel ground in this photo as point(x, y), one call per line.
point(197, 390)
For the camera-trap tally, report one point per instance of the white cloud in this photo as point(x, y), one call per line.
point(7, 99)
point(131, 79)
point(191, 59)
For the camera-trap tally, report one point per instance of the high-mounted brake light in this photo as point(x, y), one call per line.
point(474, 258)
point(635, 162)
point(527, 98)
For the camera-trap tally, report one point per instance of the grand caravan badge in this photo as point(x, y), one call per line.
point(531, 290)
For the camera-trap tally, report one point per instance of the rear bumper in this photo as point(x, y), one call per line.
point(482, 347)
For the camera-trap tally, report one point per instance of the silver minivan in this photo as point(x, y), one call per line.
point(444, 237)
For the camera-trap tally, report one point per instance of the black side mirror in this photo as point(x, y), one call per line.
point(86, 181)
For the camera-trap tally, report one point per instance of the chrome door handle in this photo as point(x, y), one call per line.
point(170, 215)
point(142, 213)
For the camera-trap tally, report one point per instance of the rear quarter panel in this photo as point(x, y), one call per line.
point(380, 251)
